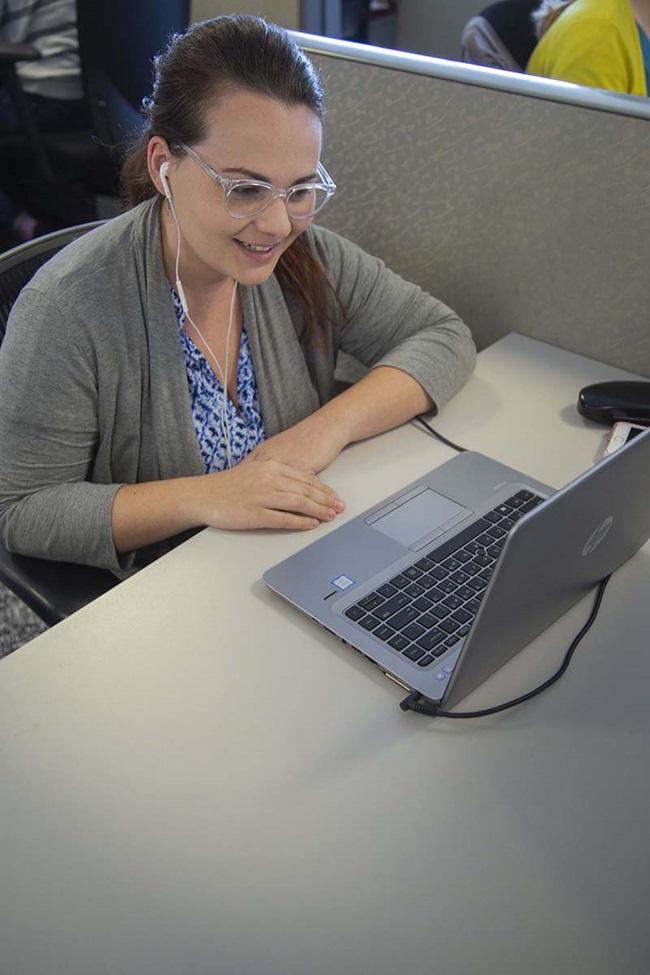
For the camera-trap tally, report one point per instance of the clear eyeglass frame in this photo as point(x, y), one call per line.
point(293, 196)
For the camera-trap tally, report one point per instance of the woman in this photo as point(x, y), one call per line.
point(600, 43)
point(116, 438)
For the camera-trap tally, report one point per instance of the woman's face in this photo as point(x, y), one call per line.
point(248, 136)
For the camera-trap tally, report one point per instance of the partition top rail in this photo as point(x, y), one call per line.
point(471, 74)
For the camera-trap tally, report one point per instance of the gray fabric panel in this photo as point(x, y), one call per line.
point(522, 214)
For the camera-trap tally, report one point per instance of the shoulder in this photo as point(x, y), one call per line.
point(97, 259)
point(342, 259)
point(85, 289)
point(584, 20)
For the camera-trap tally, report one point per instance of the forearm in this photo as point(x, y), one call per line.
point(144, 514)
point(262, 495)
point(385, 398)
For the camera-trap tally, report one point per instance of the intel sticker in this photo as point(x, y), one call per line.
point(342, 582)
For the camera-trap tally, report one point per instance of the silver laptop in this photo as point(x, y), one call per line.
point(442, 582)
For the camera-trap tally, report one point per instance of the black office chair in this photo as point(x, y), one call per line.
point(117, 44)
point(52, 590)
point(501, 36)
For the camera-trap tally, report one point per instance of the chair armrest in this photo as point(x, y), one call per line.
point(53, 590)
point(11, 53)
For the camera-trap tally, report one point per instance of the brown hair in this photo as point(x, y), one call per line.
point(201, 65)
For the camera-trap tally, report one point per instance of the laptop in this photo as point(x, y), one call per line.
point(444, 581)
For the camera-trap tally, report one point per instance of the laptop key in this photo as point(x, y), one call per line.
point(425, 661)
point(451, 563)
point(384, 632)
point(355, 612)
point(463, 555)
point(412, 572)
point(453, 602)
point(429, 620)
point(425, 564)
point(422, 604)
point(439, 611)
point(398, 642)
point(401, 581)
point(413, 631)
point(447, 586)
point(368, 622)
point(450, 625)
point(432, 639)
point(492, 516)
point(529, 505)
point(437, 572)
point(392, 605)
point(474, 548)
point(414, 653)
point(387, 590)
point(462, 616)
point(477, 584)
point(428, 581)
point(465, 592)
point(370, 601)
point(459, 577)
point(471, 568)
point(404, 617)
point(415, 590)
point(482, 561)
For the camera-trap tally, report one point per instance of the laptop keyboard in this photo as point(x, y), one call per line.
point(429, 606)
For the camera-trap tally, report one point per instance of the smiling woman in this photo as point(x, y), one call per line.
point(183, 354)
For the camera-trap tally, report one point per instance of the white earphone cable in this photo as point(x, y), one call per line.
point(222, 373)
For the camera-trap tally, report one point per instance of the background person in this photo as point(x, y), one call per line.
point(52, 84)
point(599, 43)
point(116, 434)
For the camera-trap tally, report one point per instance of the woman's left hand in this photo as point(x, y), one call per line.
point(311, 446)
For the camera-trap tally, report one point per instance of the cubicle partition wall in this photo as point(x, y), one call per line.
point(523, 203)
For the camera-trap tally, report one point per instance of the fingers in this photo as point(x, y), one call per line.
point(302, 493)
point(267, 495)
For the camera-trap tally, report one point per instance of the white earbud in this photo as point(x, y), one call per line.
point(164, 181)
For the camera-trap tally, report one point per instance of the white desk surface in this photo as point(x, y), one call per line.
point(195, 780)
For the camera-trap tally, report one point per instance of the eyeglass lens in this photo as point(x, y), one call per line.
point(251, 198)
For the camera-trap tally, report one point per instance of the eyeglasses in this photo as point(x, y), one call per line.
point(248, 197)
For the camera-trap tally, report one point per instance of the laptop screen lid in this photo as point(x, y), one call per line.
point(554, 556)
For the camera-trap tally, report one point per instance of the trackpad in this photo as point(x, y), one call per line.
point(423, 516)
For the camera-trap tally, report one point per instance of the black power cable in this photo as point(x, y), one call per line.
point(422, 705)
point(434, 433)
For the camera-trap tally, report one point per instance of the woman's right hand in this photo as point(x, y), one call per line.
point(266, 494)
point(259, 494)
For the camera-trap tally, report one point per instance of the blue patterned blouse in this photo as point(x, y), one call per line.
point(206, 394)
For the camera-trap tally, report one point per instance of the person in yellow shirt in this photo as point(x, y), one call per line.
point(599, 43)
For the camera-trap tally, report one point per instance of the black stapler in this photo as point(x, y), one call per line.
point(609, 403)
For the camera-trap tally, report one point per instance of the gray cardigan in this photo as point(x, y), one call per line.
point(95, 392)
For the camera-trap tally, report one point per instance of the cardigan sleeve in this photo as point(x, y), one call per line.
point(391, 322)
point(48, 439)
